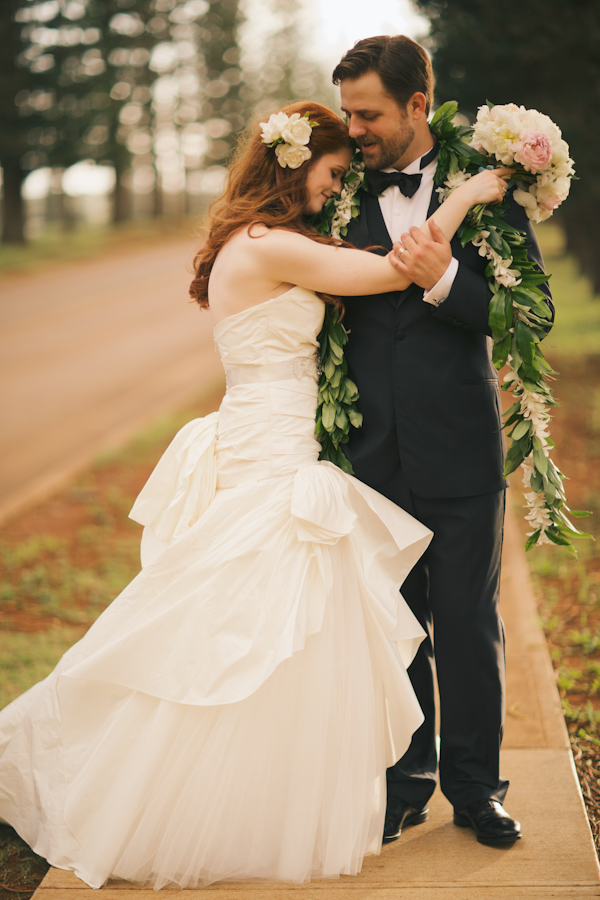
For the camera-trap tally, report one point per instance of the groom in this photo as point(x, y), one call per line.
point(431, 439)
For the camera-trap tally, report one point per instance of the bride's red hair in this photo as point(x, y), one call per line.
point(260, 191)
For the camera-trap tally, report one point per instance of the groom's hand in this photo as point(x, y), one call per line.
point(423, 259)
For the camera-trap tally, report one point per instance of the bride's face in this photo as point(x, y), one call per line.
point(325, 179)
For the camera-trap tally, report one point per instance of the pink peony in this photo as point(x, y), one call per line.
point(534, 150)
point(550, 204)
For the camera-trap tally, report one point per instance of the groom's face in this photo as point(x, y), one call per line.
point(382, 129)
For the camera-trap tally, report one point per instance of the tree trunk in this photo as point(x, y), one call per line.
point(158, 205)
point(13, 208)
point(121, 209)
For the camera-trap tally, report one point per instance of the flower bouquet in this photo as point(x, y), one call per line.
point(531, 143)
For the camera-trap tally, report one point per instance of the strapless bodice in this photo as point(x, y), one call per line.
point(267, 417)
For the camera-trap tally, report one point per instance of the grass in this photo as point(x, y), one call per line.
point(27, 658)
point(576, 331)
point(20, 869)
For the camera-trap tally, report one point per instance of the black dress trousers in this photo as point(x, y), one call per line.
point(453, 591)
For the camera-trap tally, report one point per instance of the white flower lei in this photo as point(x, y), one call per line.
point(347, 204)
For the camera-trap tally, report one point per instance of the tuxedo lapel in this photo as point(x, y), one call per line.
point(358, 229)
point(378, 232)
point(368, 229)
point(434, 203)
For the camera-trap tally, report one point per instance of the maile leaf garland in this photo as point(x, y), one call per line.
point(336, 410)
point(531, 143)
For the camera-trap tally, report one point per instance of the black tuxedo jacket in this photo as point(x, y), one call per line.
point(429, 394)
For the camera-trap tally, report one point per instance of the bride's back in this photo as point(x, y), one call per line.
point(239, 278)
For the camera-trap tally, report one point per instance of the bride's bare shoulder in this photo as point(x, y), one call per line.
point(257, 242)
point(258, 233)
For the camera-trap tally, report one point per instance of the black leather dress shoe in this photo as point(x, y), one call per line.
point(399, 815)
point(490, 822)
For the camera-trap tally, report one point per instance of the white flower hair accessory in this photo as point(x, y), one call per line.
point(289, 135)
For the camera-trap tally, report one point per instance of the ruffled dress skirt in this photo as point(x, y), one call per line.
point(231, 715)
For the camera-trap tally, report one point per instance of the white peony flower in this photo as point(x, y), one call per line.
point(271, 130)
point(552, 191)
point(526, 198)
point(497, 130)
point(289, 155)
point(297, 131)
point(561, 159)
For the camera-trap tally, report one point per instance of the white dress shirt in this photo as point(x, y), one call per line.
point(400, 213)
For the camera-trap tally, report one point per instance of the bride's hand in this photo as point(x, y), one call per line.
point(488, 186)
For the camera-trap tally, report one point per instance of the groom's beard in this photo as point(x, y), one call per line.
point(388, 151)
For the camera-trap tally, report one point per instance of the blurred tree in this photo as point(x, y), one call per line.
point(117, 96)
point(155, 82)
point(219, 65)
point(14, 79)
point(196, 100)
point(68, 69)
point(277, 65)
point(536, 54)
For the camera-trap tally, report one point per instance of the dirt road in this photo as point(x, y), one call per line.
point(88, 355)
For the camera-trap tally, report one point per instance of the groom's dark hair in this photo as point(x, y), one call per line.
point(403, 66)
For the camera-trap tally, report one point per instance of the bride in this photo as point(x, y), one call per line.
point(232, 713)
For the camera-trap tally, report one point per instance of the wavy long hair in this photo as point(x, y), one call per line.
point(260, 191)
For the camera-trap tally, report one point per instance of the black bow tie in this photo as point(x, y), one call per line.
point(379, 181)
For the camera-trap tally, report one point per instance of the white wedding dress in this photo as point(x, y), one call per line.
point(232, 713)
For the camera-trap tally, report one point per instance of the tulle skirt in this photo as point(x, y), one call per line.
point(232, 713)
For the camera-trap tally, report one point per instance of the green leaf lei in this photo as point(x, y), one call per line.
point(336, 410)
point(518, 318)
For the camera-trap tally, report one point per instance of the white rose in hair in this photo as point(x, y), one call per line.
point(291, 156)
point(297, 131)
point(271, 130)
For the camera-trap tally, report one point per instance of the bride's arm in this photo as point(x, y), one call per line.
point(290, 257)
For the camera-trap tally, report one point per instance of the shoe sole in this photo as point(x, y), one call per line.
point(413, 819)
point(463, 822)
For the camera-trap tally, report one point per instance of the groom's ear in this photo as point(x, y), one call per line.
point(417, 106)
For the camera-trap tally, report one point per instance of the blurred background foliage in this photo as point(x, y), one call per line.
point(154, 92)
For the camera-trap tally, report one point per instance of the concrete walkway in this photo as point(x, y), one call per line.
point(437, 860)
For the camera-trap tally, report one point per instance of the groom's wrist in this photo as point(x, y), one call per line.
point(440, 290)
